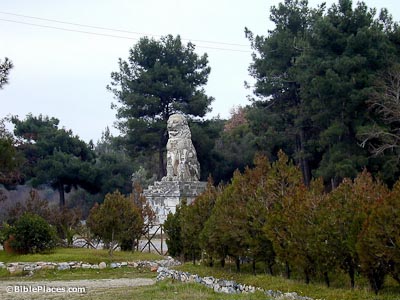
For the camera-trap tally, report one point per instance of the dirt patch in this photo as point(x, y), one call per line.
point(70, 289)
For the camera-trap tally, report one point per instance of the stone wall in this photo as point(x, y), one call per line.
point(28, 268)
point(225, 286)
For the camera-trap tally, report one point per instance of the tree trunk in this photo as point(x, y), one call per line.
point(110, 251)
point(237, 262)
point(327, 281)
point(352, 274)
point(288, 271)
point(254, 266)
point(269, 264)
point(62, 195)
point(304, 165)
point(222, 262)
point(307, 276)
point(271, 271)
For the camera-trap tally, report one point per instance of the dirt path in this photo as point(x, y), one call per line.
point(64, 289)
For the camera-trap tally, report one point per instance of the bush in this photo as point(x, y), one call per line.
point(172, 227)
point(116, 222)
point(31, 234)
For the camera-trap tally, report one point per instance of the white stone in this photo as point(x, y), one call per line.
point(86, 266)
point(63, 266)
point(113, 265)
point(182, 163)
point(102, 265)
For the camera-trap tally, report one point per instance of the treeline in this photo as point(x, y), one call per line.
point(325, 92)
point(267, 214)
point(41, 154)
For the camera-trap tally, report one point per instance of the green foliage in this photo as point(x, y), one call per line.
point(55, 156)
point(205, 137)
point(116, 221)
point(236, 146)
point(283, 180)
point(378, 244)
point(228, 213)
point(192, 221)
point(10, 159)
point(160, 77)
point(315, 73)
point(172, 226)
point(31, 234)
point(66, 222)
point(5, 67)
point(314, 289)
point(268, 215)
point(114, 165)
point(343, 214)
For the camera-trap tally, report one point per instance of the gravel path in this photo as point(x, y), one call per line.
point(64, 289)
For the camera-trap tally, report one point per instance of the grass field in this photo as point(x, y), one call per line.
point(78, 254)
point(316, 290)
point(175, 290)
point(168, 290)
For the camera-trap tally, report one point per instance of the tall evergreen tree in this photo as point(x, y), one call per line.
point(10, 159)
point(316, 70)
point(160, 78)
point(55, 156)
point(274, 64)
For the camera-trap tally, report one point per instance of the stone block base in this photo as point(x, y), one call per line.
point(164, 196)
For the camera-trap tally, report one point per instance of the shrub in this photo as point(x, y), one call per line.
point(31, 234)
point(116, 222)
point(172, 228)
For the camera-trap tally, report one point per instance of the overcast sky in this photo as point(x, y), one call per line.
point(64, 73)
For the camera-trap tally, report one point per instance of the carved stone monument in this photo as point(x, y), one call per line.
point(183, 171)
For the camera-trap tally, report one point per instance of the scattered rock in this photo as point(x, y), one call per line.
point(48, 266)
point(63, 266)
point(113, 266)
point(224, 286)
point(29, 268)
point(86, 266)
point(153, 269)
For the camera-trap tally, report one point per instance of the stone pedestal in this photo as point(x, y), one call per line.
point(164, 196)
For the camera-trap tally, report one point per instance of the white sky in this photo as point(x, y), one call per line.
point(64, 74)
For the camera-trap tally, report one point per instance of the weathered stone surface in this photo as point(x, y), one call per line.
point(28, 268)
point(102, 265)
point(182, 163)
point(2, 265)
point(114, 265)
point(183, 172)
point(164, 196)
point(48, 266)
point(86, 266)
point(63, 266)
point(225, 286)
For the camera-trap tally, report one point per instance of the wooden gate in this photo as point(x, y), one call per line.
point(151, 232)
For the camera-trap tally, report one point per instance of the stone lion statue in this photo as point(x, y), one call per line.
point(182, 163)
